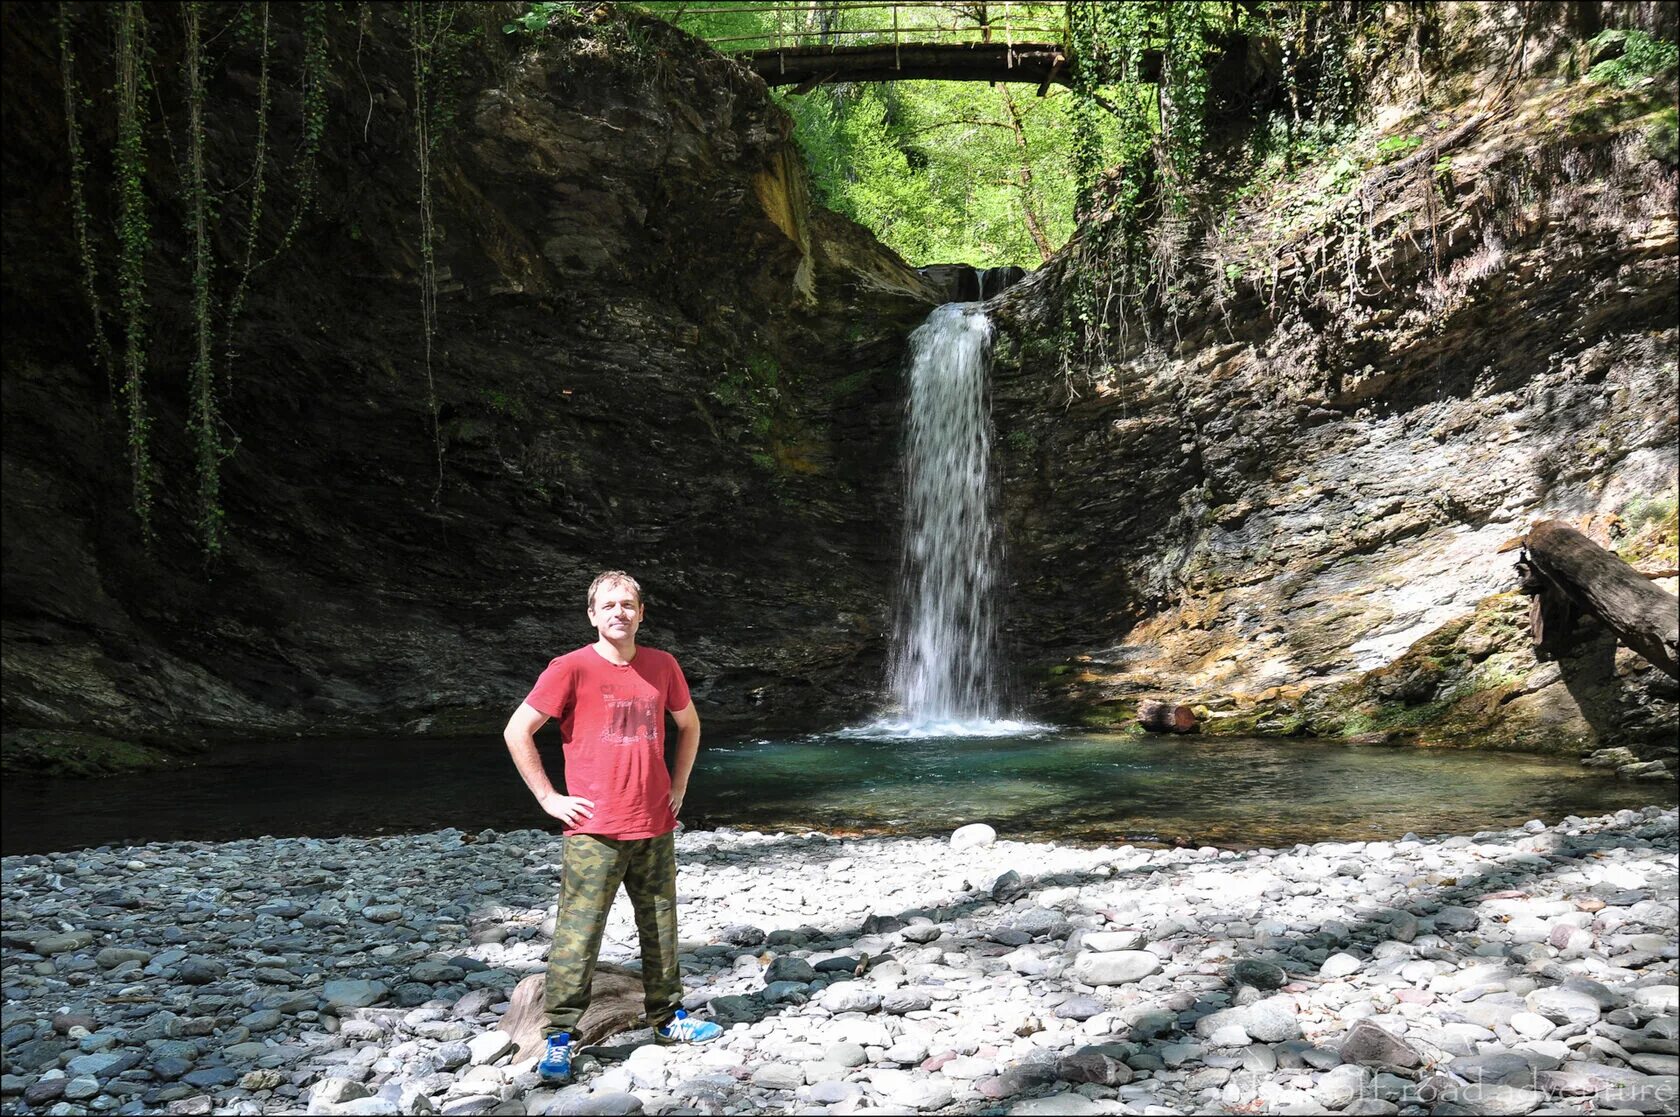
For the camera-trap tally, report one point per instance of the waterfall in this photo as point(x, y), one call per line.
point(944, 662)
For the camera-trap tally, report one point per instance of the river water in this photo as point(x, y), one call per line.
point(1045, 785)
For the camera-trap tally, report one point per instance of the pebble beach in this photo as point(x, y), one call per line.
point(1530, 970)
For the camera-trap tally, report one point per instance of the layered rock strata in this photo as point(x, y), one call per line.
point(1300, 475)
point(650, 352)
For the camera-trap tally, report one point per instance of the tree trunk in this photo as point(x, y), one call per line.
point(1566, 571)
point(1035, 227)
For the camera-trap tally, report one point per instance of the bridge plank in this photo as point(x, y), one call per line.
point(1035, 63)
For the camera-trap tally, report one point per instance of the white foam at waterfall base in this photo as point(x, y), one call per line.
point(888, 729)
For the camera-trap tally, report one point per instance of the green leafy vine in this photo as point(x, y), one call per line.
point(259, 179)
point(202, 420)
point(425, 30)
point(137, 85)
point(313, 95)
point(1138, 188)
point(78, 194)
point(134, 239)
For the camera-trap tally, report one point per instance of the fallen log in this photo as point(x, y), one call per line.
point(1568, 574)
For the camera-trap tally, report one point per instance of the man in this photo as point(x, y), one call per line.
point(620, 811)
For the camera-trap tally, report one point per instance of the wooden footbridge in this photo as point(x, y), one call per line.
point(814, 42)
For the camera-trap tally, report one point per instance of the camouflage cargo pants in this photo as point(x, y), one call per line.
point(591, 869)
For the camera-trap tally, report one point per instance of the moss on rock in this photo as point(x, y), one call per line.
point(53, 752)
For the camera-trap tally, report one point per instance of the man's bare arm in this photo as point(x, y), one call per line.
point(688, 747)
point(521, 740)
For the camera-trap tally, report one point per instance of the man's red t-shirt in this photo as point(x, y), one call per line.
point(612, 725)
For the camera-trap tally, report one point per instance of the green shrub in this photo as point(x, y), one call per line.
point(1642, 56)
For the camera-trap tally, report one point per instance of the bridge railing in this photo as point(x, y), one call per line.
point(814, 23)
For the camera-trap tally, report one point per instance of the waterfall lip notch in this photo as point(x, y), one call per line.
point(946, 662)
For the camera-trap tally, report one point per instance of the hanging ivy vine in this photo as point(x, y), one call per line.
point(259, 180)
point(135, 86)
point(1117, 187)
point(202, 420)
point(134, 240)
point(1144, 180)
point(438, 51)
point(78, 195)
point(425, 31)
point(313, 96)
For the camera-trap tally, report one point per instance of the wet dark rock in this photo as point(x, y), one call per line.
point(200, 971)
point(838, 964)
point(44, 1091)
point(788, 968)
point(736, 1009)
point(37, 1055)
point(169, 1069)
point(1261, 975)
point(1008, 887)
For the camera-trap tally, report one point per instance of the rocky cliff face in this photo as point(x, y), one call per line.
point(1286, 501)
point(651, 353)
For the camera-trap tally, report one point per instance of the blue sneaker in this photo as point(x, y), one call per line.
point(556, 1062)
point(683, 1029)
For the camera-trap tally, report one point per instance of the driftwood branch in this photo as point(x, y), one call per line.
point(1568, 574)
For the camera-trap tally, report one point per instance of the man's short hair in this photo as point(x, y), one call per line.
point(611, 577)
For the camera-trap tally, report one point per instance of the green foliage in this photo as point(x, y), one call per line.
point(438, 45)
point(941, 172)
point(1642, 56)
point(75, 753)
point(1141, 197)
point(1662, 135)
point(849, 384)
point(138, 201)
point(751, 391)
point(313, 98)
point(1647, 509)
point(425, 31)
point(503, 404)
point(1394, 147)
point(537, 17)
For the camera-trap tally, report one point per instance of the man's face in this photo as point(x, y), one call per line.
point(616, 613)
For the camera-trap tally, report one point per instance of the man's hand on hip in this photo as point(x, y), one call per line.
point(677, 794)
point(570, 809)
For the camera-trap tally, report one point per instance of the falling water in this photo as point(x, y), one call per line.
point(944, 664)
